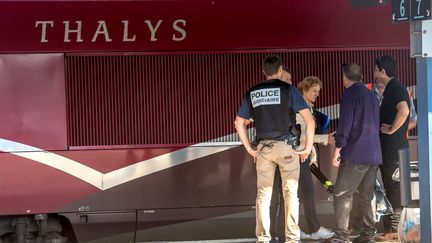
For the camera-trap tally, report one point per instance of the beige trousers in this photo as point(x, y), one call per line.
point(271, 154)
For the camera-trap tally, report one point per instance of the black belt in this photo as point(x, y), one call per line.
point(288, 139)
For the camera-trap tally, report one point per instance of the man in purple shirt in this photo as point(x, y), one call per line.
point(357, 155)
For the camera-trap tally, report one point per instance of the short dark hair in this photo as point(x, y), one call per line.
point(271, 65)
point(352, 71)
point(286, 69)
point(387, 63)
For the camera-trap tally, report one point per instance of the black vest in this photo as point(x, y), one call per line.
point(318, 121)
point(272, 114)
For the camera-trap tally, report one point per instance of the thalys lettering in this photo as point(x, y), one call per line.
point(73, 30)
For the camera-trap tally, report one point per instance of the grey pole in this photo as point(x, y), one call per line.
point(405, 177)
point(424, 101)
point(421, 48)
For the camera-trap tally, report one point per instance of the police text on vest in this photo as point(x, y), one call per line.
point(265, 97)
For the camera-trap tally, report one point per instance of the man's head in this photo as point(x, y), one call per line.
point(272, 66)
point(286, 75)
point(352, 72)
point(385, 69)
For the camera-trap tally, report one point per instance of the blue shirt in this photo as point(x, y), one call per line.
point(296, 102)
point(359, 126)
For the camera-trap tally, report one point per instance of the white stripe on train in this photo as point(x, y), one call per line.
point(116, 177)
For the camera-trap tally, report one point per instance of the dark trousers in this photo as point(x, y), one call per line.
point(392, 188)
point(352, 177)
point(356, 216)
point(306, 196)
point(277, 211)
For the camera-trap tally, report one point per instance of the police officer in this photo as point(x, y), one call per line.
point(273, 105)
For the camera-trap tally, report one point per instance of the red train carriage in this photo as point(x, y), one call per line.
point(116, 116)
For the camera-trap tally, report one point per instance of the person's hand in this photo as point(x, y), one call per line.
point(336, 158)
point(252, 152)
point(303, 154)
point(331, 138)
point(386, 129)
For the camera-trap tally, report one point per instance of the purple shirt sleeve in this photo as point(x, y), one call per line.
point(346, 116)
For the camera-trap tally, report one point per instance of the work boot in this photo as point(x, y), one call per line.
point(335, 239)
point(355, 232)
point(363, 239)
point(389, 236)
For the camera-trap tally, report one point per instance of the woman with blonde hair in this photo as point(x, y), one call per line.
point(310, 88)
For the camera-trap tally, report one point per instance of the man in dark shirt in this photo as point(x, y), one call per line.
point(357, 155)
point(394, 114)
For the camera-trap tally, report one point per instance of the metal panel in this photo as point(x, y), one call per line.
point(186, 98)
point(32, 102)
point(103, 226)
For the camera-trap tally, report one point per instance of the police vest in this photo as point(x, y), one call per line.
point(272, 114)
